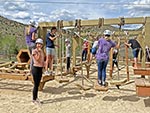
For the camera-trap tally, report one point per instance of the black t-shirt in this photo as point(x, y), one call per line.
point(134, 43)
point(49, 42)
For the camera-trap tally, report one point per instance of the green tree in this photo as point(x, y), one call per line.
point(8, 46)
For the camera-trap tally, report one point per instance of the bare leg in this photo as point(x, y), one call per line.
point(135, 62)
point(47, 62)
point(51, 62)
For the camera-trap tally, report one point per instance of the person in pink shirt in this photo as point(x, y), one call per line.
point(38, 59)
point(85, 50)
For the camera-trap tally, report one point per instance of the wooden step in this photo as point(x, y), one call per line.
point(142, 87)
point(142, 71)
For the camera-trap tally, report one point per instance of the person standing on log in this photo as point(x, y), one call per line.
point(136, 47)
point(102, 55)
point(30, 37)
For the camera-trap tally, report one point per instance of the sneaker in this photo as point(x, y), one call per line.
point(46, 73)
point(37, 102)
point(52, 73)
point(103, 83)
point(99, 82)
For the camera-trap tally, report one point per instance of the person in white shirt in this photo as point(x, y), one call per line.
point(68, 53)
point(94, 48)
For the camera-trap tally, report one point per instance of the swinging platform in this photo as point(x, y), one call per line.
point(83, 87)
point(118, 83)
point(62, 79)
point(100, 88)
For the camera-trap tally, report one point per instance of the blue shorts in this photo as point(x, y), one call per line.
point(50, 51)
point(135, 52)
point(93, 51)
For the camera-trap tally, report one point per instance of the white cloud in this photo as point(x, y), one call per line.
point(22, 10)
point(21, 15)
point(139, 8)
point(17, 10)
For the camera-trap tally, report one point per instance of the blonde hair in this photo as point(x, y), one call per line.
point(27, 30)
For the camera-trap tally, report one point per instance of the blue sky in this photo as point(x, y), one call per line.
point(53, 10)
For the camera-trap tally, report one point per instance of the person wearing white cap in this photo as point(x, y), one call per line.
point(30, 37)
point(38, 59)
point(102, 55)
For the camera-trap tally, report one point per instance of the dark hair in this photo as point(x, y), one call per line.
point(53, 28)
point(107, 35)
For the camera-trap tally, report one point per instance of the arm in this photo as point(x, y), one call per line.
point(33, 36)
point(54, 38)
point(37, 54)
point(128, 45)
point(118, 44)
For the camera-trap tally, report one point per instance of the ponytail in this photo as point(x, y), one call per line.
point(27, 30)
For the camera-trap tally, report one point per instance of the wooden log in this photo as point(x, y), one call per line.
point(40, 88)
point(47, 78)
point(118, 82)
point(13, 76)
point(100, 88)
point(44, 79)
point(62, 80)
point(83, 87)
point(6, 64)
point(13, 66)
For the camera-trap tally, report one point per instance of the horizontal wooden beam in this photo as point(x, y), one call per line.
point(142, 71)
point(89, 22)
point(114, 21)
point(47, 24)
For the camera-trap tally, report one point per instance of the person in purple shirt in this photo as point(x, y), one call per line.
point(102, 55)
point(30, 37)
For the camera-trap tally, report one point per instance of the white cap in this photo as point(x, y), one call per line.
point(67, 40)
point(39, 40)
point(85, 39)
point(32, 23)
point(107, 32)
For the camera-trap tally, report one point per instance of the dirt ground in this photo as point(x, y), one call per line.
point(16, 96)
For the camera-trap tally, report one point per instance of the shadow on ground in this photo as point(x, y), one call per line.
point(132, 98)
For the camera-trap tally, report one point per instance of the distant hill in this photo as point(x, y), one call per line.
point(16, 29)
point(12, 28)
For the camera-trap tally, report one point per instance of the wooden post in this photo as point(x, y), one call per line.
point(126, 57)
point(147, 33)
point(111, 61)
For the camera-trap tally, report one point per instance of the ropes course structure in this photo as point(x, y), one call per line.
point(76, 35)
point(78, 24)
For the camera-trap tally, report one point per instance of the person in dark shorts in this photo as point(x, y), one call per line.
point(135, 45)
